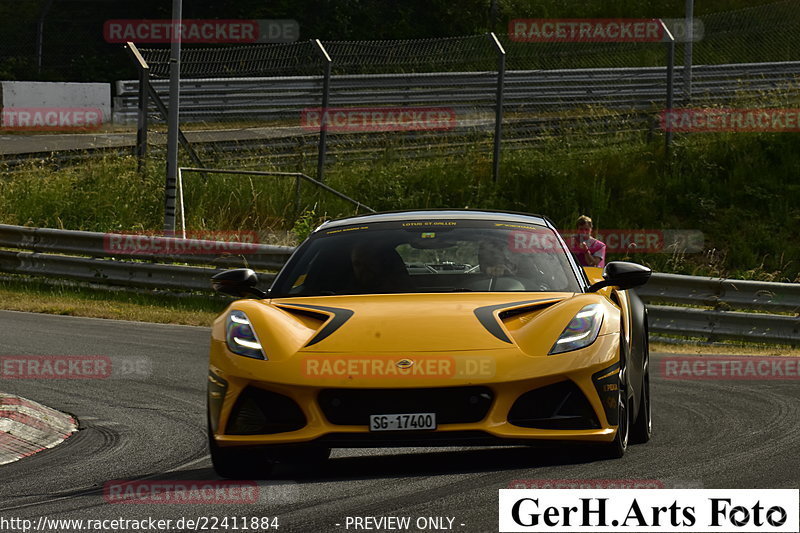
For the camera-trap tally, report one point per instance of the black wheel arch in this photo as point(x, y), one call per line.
point(639, 351)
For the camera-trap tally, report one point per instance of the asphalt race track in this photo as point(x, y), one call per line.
point(709, 434)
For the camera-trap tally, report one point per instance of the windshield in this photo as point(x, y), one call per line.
point(428, 256)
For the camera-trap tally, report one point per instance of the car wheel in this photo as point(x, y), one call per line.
point(616, 448)
point(642, 428)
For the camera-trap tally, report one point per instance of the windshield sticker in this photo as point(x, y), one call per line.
point(518, 226)
point(432, 223)
point(342, 230)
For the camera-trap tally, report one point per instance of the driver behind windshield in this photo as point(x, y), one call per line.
point(493, 259)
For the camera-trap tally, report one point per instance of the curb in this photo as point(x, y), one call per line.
point(28, 427)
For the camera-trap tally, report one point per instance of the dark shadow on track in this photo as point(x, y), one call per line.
point(417, 464)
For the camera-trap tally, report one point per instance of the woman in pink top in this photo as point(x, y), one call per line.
point(587, 250)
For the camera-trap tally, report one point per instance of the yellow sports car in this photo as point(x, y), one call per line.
point(427, 328)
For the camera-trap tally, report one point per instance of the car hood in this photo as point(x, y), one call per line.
point(411, 322)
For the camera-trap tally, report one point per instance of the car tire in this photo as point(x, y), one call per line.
point(642, 428)
point(616, 448)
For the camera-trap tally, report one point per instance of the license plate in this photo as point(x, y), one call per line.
point(402, 422)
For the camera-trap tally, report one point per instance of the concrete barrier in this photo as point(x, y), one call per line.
point(42, 95)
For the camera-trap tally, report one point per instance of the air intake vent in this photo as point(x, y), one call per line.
point(558, 406)
point(260, 412)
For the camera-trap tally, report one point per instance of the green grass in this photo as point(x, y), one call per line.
point(739, 189)
point(23, 294)
point(701, 349)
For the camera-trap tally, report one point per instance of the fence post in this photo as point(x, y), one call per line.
point(670, 84)
point(40, 34)
point(498, 113)
point(141, 118)
point(687, 52)
point(323, 123)
point(173, 118)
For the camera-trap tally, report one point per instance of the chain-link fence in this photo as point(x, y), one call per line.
point(265, 105)
point(269, 106)
point(260, 106)
point(766, 33)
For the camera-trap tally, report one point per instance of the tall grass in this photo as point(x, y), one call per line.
point(741, 190)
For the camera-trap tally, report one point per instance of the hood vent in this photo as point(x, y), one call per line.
point(486, 317)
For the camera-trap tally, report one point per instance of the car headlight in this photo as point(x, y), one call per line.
point(581, 331)
point(241, 338)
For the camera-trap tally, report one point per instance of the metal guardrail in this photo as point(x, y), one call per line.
point(143, 247)
point(724, 294)
point(524, 90)
point(713, 326)
point(142, 261)
point(728, 299)
point(718, 307)
point(596, 101)
point(109, 271)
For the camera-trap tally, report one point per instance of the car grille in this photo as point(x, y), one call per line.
point(452, 405)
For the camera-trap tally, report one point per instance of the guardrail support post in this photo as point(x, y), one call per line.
point(498, 113)
point(323, 123)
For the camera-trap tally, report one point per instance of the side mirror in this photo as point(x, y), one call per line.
point(623, 275)
point(239, 282)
